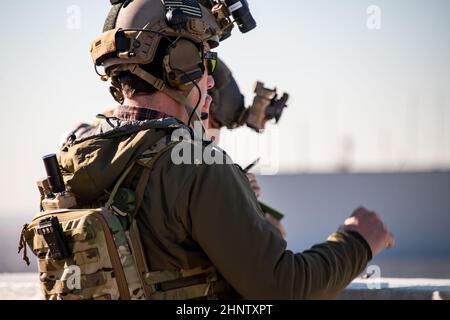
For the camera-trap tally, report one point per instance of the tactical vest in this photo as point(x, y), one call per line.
point(95, 251)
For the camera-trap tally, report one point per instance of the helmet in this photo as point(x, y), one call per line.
point(228, 104)
point(136, 29)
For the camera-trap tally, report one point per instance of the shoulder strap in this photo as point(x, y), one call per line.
point(160, 135)
point(135, 237)
point(145, 176)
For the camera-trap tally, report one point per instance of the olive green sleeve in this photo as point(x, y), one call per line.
point(250, 253)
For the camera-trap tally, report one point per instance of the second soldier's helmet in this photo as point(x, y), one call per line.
point(228, 103)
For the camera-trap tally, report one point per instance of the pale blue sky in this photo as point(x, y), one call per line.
point(386, 90)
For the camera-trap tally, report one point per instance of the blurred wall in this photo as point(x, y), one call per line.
point(416, 206)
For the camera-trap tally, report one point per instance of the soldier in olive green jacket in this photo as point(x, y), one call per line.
point(201, 223)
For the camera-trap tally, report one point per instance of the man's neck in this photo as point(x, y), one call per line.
point(159, 102)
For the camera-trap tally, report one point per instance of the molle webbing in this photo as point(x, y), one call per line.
point(198, 283)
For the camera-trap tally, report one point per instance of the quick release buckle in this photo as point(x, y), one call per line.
point(159, 84)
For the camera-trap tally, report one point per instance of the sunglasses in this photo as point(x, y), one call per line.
point(211, 61)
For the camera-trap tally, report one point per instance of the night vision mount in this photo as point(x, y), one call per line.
point(226, 12)
point(266, 106)
point(229, 11)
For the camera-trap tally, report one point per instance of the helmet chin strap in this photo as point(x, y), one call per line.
point(161, 86)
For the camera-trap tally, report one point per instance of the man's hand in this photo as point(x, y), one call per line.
point(254, 184)
point(370, 226)
point(257, 190)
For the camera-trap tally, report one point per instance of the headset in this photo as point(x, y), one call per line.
point(183, 64)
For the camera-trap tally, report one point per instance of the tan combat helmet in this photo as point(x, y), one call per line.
point(135, 28)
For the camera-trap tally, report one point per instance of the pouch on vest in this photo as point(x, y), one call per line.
point(95, 252)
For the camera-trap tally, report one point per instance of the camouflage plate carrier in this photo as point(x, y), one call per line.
point(96, 253)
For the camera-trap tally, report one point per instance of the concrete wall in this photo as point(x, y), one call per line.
point(397, 289)
point(416, 206)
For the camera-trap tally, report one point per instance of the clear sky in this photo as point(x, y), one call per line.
point(371, 99)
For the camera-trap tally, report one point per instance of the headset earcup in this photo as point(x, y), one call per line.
point(183, 64)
